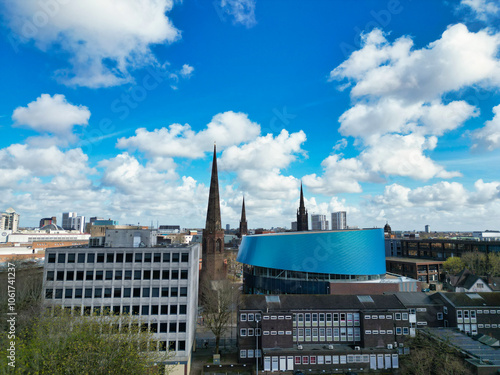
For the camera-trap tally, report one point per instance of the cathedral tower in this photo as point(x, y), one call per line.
point(302, 216)
point(213, 267)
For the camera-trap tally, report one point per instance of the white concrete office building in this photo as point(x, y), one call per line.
point(319, 222)
point(158, 284)
point(339, 220)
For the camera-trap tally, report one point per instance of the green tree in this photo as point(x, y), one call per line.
point(432, 357)
point(476, 262)
point(453, 265)
point(60, 343)
point(218, 299)
point(494, 264)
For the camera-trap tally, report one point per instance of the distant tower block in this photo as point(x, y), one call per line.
point(302, 216)
point(339, 220)
point(213, 267)
point(427, 229)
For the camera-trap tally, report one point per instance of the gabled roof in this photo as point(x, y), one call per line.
point(471, 299)
point(289, 302)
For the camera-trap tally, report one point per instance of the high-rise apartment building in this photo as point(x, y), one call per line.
point(339, 220)
point(319, 222)
point(158, 285)
point(71, 221)
point(9, 220)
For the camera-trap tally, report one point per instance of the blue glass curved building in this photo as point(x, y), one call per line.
point(307, 262)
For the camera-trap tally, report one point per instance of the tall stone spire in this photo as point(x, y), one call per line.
point(213, 267)
point(243, 220)
point(302, 216)
point(213, 222)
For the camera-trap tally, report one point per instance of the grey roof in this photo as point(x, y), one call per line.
point(470, 299)
point(315, 301)
point(466, 344)
point(410, 299)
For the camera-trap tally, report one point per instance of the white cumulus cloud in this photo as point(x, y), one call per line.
point(105, 40)
point(241, 11)
point(51, 114)
point(488, 137)
point(226, 129)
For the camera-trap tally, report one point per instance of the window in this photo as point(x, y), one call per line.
point(250, 317)
point(155, 292)
point(146, 275)
point(405, 316)
point(166, 257)
point(100, 257)
point(90, 258)
point(184, 274)
point(138, 257)
point(118, 274)
point(182, 327)
point(439, 316)
point(157, 257)
point(79, 275)
point(145, 310)
point(137, 292)
point(70, 275)
point(107, 292)
point(49, 293)
point(89, 275)
point(81, 258)
point(126, 292)
point(145, 292)
point(78, 292)
point(156, 275)
point(459, 314)
point(445, 309)
point(250, 332)
point(52, 258)
point(243, 353)
point(147, 257)
point(398, 330)
point(308, 318)
point(174, 292)
point(128, 275)
point(88, 292)
point(59, 275)
point(110, 257)
point(129, 257)
point(71, 258)
point(185, 257)
point(174, 275)
point(183, 292)
point(173, 309)
point(175, 257)
point(164, 292)
point(119, 257)
point(406, 330)
point(182, 309)
point(98, 275)
point(109, 275)
point(297, 360)
point(137, 274)
point(61, 258)
point(398, 316)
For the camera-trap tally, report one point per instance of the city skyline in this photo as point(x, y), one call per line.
point(389, 111)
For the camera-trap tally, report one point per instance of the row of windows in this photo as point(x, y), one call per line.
point(112, 257)
point(250, 332)
point(399, 331)
point(118, 275)
point(99, 292)
point(250, 353)
point(397, 316)
point(466, 314)
point(134, 310)
point(327, 318)
point(326, 334)
point(250, 317)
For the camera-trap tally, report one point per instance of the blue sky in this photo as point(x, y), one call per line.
point(386, 109)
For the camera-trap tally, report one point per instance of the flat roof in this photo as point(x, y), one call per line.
point(413, 260)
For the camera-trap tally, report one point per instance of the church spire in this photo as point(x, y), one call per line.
point(213, 266)
point(302, 216)
point(243, 220)
point(213, 222)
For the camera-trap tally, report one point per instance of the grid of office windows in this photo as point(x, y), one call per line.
point(158, 285)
